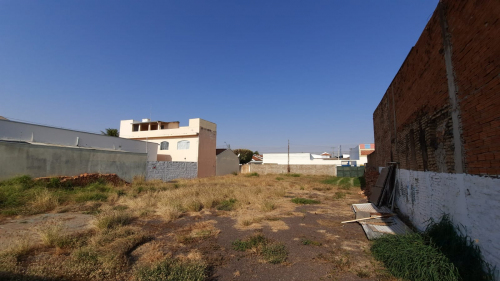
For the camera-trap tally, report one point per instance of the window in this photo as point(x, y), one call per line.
point(367, 146)
point(135, 127)
point(164, 145)
point(184, 144)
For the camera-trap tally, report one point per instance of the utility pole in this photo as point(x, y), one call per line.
point(288, 157)
point(340, 151)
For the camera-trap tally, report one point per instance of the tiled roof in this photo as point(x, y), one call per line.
point(256, 157)
point(367, 152)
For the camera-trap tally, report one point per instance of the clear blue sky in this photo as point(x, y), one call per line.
point(263, 71)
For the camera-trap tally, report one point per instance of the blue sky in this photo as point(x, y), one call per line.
point(263, 71)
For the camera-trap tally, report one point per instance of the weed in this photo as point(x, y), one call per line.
point(234, 173)
point(268, 206)
point(120, 208)
point(331, 180)
point(113, 219)
point(252, 175)
point(339, 195)
point(44, 201)
point(274, 253)
point(410, 257)
point(342, 262)
point(303, 201)
point(226, 205)
point(302, 188)
point(279, 178)
point(91, 196)
point(173, 270)
point(311, 242)
point(293, 175)
point(459, 249)
point(252, 242)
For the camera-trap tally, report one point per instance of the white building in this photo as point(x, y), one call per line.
point(193, 143)
point(360, 153)
point(298, 159)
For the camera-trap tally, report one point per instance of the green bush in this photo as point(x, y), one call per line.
point(252, 242)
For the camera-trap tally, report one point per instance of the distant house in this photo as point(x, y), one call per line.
point(256, 159)
point(193, 143)
point(302, 158)
point(322, 155)
point(360, 153)
point(227, 162)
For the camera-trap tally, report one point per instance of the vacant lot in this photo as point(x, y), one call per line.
point(244, 227)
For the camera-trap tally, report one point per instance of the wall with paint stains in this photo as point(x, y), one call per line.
point(440, 120)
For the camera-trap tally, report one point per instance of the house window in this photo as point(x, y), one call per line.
point(367, 146)
point(164, 145)
point(184, 144)
point(135, 127)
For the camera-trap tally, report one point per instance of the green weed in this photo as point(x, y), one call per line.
point(226, 205)
point(252, 175)
point(275, 253)
point(303, 201)
point(173, 270)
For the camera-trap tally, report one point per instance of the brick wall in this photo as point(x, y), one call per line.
point(413, 123)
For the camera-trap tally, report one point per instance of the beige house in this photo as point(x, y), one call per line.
point(193, 143)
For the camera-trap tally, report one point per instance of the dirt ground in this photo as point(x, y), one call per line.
point(319, 246)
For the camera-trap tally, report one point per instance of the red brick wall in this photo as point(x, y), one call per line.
point(421, 136)
point(475, 29)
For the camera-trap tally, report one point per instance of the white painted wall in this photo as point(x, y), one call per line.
point(470, 200)
point(18, 131)
point(296, 159)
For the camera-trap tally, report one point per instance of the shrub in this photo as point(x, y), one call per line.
point(339, 195)
point(252, 175)
point(226, 205)
point(252, 242)
point(303, 201)
point(293, 175)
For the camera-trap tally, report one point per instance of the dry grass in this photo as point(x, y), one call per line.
point(104, 253)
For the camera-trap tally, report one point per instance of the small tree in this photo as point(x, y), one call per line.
point(111, 132)
point(245, 155)
point(256, 152)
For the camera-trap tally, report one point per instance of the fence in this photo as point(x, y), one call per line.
point(283, 169)
point(169, 170)
point(350, 172)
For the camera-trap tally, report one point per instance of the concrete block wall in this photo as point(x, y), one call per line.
point(264, 169)
point(167, 171)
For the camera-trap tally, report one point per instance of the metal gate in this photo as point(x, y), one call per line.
point(350, 172)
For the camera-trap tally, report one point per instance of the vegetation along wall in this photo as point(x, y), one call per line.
point(440, 119)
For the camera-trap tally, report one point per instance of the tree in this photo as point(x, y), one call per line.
point(256, 152)
point(111, 132)
point(245, 155)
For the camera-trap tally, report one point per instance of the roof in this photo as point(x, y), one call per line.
point(220, 150)
point(256, 157)
point(325, 153)
point(367, 152)
point(145, 122)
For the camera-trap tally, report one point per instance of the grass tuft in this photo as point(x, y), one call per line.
point(173, 270)
point(304, 201)
point(252, 175)
point(226, 205)
point(275, 253)
point(112, 219)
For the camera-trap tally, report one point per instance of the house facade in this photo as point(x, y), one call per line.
point(193, 143)
point(360, 153)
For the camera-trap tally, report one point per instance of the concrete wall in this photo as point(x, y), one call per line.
point(227, 163)
point(296, 159)
point(472, 201)
point(264, 169)
point(167, 171)
point(46, 160)
point(18, 131)
point(439, 119)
